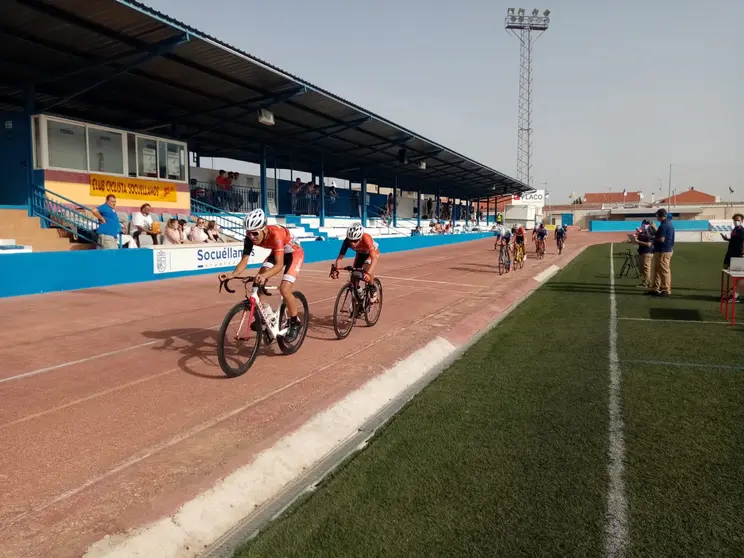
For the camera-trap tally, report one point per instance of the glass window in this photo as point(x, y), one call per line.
point(132, 154)
point(172, 158)
point(67, 146)
point(147, 155)
point(104, 151)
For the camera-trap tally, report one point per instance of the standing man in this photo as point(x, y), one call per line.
point(109, 228)
point(644, 238)
point(735, 246)
point(663, 248)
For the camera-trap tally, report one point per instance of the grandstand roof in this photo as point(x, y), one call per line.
point(124, 64)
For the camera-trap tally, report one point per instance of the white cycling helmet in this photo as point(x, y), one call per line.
point(255, 220)
point(355, 232)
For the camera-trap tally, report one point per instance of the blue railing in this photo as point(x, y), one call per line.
point(54, 214)
point(230, 223)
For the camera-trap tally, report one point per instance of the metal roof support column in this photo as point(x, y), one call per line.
point(264, 191)
point(29, 104)
point(363, 201)
point(488, 210)
point(395, 202)
point(418, 201)
point(322, 191)
point(276, 184)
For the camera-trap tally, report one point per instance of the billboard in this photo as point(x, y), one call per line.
point(190, 257)
point(532, 198)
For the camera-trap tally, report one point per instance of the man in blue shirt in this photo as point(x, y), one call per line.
point(110, 228)
point(663, 248)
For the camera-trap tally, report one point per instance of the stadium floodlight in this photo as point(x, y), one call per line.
point(527, 29)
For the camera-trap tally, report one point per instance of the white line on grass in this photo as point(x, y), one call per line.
point(684, 364)
point(616, 526)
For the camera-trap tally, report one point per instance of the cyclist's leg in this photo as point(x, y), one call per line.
point(292, 265)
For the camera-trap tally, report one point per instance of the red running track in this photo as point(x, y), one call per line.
point(115, 411)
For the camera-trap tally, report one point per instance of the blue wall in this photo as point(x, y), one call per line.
point(45, 272)
point(630, 226)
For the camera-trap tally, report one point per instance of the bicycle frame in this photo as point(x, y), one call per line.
point(271, 325)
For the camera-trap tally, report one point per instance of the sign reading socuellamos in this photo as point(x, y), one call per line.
point(132, 188)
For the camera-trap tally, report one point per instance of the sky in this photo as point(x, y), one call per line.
point(621, 90)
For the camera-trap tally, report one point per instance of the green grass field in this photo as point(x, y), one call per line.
point(506, 453)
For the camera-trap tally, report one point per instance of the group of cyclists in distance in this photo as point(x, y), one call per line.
point(514, 238)
point(287, 255)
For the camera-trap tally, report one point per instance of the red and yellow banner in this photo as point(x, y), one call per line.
point(132, 188)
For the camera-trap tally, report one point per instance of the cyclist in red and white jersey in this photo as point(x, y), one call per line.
point(367, 254)
point(286, 256)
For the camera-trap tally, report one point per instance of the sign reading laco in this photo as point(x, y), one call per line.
point(172, 259)
point(533, 198)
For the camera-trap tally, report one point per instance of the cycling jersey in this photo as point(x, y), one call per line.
point(366, 245)
point(560, 232)
point(279, 240)
point(276, 239)
point(541, 233)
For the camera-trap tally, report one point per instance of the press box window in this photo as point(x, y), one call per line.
point(67, 146)
point(105, 152)
point(172, 159)
point(147, 157)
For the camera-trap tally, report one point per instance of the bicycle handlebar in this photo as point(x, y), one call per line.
point(245, 280)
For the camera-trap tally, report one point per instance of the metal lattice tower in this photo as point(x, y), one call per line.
point(527, 28)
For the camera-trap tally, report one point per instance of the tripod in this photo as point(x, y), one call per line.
point(630, 265)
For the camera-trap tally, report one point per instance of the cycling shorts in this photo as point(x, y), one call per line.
point(519, 239)
point(363, 258)
point(292, 264)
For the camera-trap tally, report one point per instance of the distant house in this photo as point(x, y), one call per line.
point(690, 197)
point(612, 197)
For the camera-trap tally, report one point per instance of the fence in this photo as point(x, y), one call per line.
point(230, 224)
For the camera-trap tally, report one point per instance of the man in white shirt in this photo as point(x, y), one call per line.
point(142, 224)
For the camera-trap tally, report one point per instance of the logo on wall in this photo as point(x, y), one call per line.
point(532, 198)
point(161, 260)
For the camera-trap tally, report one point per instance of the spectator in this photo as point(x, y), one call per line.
point(735, 246)
point(663, 249)
point(172, 234)
point(198, 234)
point(429, 208)
point(644, 238)
point(183, 230)
point(142, 224)
point(213, 234)
point(110, 228)
point(390, 204)
point(294, 191)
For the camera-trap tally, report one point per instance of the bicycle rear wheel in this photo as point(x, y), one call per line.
point(372, 311)
point(236, 360)
point(346, 306)
point(303, 313)
point(502, 264)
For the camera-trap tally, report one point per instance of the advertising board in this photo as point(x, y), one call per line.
point(172, 259)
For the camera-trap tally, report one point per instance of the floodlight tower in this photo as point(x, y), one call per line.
point(527, 28)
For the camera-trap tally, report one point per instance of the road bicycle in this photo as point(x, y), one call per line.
point(259, 321)
point(540, 248)
point(518, 256)
point(504, 260)
point(357, 298)
point(560, 245)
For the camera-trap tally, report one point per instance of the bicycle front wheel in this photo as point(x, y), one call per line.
point(344, 309)
point(303, 314)
point(236, 347)
point(372, 311)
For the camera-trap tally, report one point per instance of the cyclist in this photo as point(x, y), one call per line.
point(518, 231)
point(286, 256)
point(498, 233)
point(541, 233)
point(561, 233)
point(504, 239)
point(367, 255)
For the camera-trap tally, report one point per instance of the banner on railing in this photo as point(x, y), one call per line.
point(172, 259)
point(132, 188)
